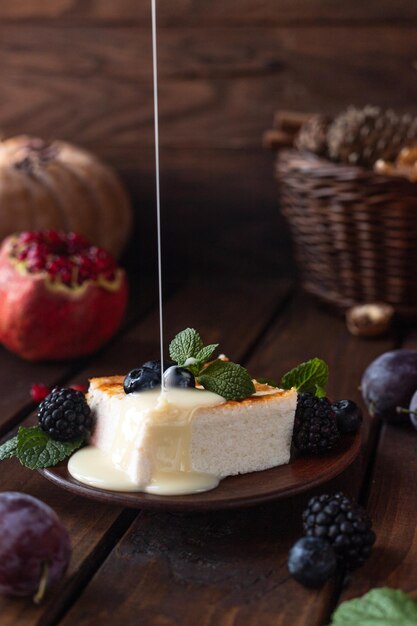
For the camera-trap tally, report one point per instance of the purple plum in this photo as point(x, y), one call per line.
point(388, 383)
point(413, 410)
point(35, 548)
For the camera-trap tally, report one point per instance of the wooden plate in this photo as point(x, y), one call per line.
point(302, 474)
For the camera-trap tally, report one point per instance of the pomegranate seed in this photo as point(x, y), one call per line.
point(38, 392)
point(66, 276)
point(79, 387)
point(36, 264)
point(76, 243)
point(55, 241)
point(52, 236)
point(21, 256)
point(56, 264)
point(29, 236)
point(103, 261)
point(37, 250)
point(86, 269)
point(65, 256)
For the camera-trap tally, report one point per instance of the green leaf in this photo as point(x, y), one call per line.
point(320, 392)
point(205, 353)
point(200, 359)
point(379, 607)
point(267, 381)
point(186, 345)
point(229, 380)
point(8, 449)
point(35, 449)
point(310, 377)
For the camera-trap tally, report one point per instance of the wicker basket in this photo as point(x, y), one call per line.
point(355, 231)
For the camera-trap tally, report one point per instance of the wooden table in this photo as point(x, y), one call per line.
point(222, 569)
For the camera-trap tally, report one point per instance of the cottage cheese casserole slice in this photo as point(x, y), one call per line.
point(181, 440)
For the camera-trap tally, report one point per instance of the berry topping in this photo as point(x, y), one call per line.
point(344, 524)
point(141, 379)
point(149, 376)
point(178, 377)
point(65, 415)
point(348, 416)
point(315, 429)
point(312, 561)
point(66, 258)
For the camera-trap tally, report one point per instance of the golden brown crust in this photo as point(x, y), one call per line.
point(113, 385)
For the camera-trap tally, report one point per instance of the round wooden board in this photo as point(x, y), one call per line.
point(301, 474)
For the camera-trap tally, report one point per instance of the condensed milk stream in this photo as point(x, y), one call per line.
point(168, 412)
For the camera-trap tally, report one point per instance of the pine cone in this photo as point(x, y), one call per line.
point(312, 135)
point(362, 136)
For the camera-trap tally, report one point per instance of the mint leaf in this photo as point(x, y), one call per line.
point(223, 377)
point(379, 607)
point(310, 377)
point(200, 359)
point(204, 354)
point(320, 392)
point(8, 449)
point(187, 344)
point(228, 379)
point(35, 449)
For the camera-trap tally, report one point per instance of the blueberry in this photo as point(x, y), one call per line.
point(140, 379)
point(348, 416)
point(311, 561)
point(178, 377)
point(156, 365)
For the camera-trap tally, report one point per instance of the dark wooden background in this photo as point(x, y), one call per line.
point(81, 70)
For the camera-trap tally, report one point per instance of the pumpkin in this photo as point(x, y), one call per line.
point(60, 186)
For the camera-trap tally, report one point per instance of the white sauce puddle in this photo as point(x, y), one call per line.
point(157, 425)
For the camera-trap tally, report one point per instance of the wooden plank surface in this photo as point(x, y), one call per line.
point(95, 528)
point(190, 12)
point(96, 88)
point(229, 568)
point(18, 375)
point(219, 215)
point(392, 506)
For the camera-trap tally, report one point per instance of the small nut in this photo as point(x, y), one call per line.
point(407, 156)
point(405, 165)
point(369, 320)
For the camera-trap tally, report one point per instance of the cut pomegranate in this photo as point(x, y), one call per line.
point(60, 296)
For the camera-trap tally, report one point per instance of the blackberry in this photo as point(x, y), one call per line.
point(315, 429)
point(65, 414)
point(344, 524)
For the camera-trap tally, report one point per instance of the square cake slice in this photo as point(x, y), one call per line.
point(221, 438)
